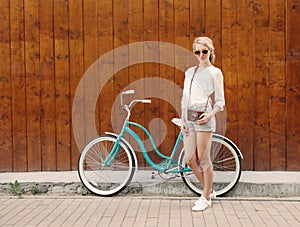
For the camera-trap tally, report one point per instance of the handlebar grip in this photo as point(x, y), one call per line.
point(128, 92)
point(147, 101)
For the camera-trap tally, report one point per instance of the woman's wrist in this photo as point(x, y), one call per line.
point(215, 110)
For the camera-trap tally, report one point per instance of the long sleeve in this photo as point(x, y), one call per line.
point(219, 90)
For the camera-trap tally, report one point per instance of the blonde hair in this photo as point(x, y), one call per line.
point(205, 41)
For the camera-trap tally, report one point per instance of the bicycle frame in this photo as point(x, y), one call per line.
point(98, 154)
point(169, 159)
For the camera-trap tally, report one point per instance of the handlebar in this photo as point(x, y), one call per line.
point(129, 92)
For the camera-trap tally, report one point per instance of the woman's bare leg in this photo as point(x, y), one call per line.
point(191, 158)
point(203, 151)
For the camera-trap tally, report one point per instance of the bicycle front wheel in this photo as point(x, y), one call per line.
point(105, 171)
point(226, 161)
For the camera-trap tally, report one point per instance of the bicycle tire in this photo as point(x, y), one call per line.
point(227, 167)
point(106, 180)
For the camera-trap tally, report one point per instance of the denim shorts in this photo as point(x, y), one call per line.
point(208, 127)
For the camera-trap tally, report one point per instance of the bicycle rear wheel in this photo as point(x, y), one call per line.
point(226, 162)
point(106, 179)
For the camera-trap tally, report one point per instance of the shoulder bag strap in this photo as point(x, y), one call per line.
point(191, 90)
point(191, 84)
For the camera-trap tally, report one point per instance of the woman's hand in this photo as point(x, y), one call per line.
point(204, 118)
point(184, 129)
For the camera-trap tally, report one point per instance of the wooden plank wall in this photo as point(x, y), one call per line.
point(293, 85)
point(46, 46)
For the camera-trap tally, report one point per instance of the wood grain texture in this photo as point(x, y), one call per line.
point(106, 44)
point(18, 81)
point(121, 38)
point(90, 36)
point(197, 18)
point(213, 27)
point(47, 75)
point(293, 86)
point(214, 31)
point(5, 89)
point(62, 85)
point(33, 85)
point(245, 81)
point(261, 85)
point(76, 49)
point(151, 33)
point(229, 67)
point(277, 83)
point(136, 71)
point(166, 31)
point(182, 39)
point(47, 46)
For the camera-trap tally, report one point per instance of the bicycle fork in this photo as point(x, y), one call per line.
point(112, 154)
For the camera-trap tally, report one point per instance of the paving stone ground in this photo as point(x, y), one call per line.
point(146, 211)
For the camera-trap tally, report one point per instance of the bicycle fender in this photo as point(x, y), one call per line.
point(230, 142)
point(128, 145)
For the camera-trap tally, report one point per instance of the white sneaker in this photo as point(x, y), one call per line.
point(202, 204)
point(212, 195)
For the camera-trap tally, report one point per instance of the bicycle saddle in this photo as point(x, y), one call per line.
point(177, 121)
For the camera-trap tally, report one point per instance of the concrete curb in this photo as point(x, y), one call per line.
point(260, 184)
point(177, 188)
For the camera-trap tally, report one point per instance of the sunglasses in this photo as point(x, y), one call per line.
point(198, 52)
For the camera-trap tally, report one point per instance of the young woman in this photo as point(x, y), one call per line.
point(198, 122)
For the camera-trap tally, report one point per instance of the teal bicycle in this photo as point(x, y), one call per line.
point(108, 163)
